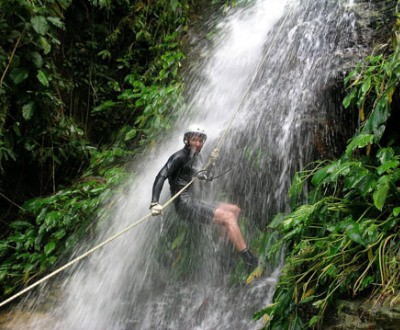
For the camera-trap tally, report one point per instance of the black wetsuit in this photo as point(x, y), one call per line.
point(180, 170)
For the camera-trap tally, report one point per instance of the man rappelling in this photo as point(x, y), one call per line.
point(180, 169)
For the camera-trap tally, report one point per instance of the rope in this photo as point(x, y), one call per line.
point(146, 217)
point(110, 239)
point(250, 85)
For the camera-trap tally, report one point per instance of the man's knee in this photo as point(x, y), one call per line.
point(231, 220)
point(225, 217)
point(236, 209)
point(233, 208)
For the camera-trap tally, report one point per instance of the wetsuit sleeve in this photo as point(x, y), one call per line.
point(168, 169)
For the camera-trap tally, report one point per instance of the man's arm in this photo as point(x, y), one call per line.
point(168, 169)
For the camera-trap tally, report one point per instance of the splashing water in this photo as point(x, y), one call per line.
point(124, 285)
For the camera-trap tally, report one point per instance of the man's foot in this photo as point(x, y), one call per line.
point(250, 261)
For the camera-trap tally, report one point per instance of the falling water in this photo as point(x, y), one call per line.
point(302, 45)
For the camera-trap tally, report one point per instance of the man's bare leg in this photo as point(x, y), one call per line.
point(227, 216)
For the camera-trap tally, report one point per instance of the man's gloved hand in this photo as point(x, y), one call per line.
point(214, 155)
point(205, 175)
point(156, 209)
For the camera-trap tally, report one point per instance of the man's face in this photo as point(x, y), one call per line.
point(196, 143)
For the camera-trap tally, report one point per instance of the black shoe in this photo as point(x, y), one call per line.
point(250, 261)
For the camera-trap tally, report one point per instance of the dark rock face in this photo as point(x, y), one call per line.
point(370, 33)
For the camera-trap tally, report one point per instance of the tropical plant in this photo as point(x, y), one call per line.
point(344, 241)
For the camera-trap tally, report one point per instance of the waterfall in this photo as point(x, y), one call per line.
point(277, 130)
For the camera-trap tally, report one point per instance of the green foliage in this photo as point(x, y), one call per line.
point(70, 83)
point(50, 227)
point(84, 86)
point(345, 240)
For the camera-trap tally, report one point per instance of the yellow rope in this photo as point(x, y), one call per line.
point(250, 85)
point(145, 218)
point(110, 239)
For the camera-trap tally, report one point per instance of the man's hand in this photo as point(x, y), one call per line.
point(214, 155)
point(156, 209)
point(205, 175)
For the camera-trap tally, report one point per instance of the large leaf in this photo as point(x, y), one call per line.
point(388, 166)
point(39, 24)
point(366, 85)
point(49, 247)
point(381, 192)
point(297, 186)
point(46, 46)
point(27, 110)
point(320, 176)
point(37, 59)
point(385, 154)
point(354, 233)
point(359, 141)
point(56, 21)
point(18, 75)
point(377, 119)
point(43, 78)
point(347, 100)
point(396, 211)
point(131, 134)
point(361, 180)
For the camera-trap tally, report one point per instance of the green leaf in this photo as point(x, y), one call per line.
point(16, 128)
point(56, 21)
point(381, 192)
point(174, 4)
point(18, 75)
point(19, 225)
point(321, 175)
point(27, 110)
point(363, 181)
point(366, 85)
point(349, 97)
point(276, 221)
point(52, 218)
point(37, 59)
point(377, 119)
point(396, 211)
point(104, 106)
point(315, 319)
point(297, 186)
point(359, 141)
point(39, 24)
point(60, 234)
point(178, 241)
point(354, 233)
point(385, 154)
point(130, 135)
point(45, 45)
point(43, 78)
point(387, 166)
point(49, 247)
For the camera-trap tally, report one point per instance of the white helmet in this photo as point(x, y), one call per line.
point(195, 130)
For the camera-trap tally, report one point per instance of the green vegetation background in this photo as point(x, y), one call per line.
point(84, 87)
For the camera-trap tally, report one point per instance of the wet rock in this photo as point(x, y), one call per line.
point(363, 314)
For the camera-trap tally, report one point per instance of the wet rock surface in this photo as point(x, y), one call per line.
point(362, 314)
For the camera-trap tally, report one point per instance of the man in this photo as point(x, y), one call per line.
point(180, 169)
